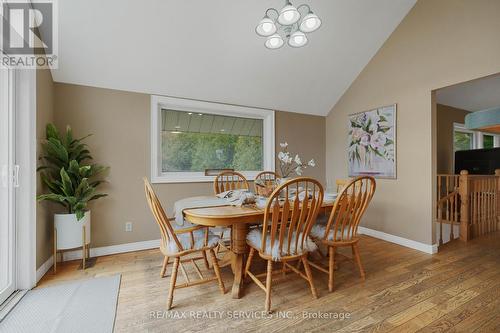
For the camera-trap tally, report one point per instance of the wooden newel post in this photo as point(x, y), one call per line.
point(463, 190)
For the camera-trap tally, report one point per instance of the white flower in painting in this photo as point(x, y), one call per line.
point(373, 128)
point(377, 140)
point(281, 156)
point(297, 160)
point(284, 144)
point(298, 171)
point(374, 117)
point(365, 140)
point(311, 163)
point(357, 133)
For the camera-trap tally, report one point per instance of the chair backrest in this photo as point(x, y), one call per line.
point(290, 213)
point(349, 207)
point(267, 178)
point(166, 230)
point(230, 180)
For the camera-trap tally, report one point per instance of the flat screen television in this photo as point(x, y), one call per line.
point(478, 161)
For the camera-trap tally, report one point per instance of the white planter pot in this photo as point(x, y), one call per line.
point(70, 231)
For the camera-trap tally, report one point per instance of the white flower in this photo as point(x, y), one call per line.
point(377, 140)
point(311, 163)
point(374, 117)
point(298, 170)
point(297, 160)
point(288, 159)
point(365, 140)
point(284, 145)
point(357, 133)
point(281, 156)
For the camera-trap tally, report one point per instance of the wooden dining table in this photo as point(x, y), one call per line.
point(240, 218)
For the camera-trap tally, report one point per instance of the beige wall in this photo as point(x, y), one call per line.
point(305, 135)
point(446, 116)
point(120, 124)
point(439, 43)
point(44, 115)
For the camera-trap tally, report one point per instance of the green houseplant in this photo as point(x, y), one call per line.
point(72, 182)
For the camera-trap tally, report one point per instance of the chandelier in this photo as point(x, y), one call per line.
point(290, 24)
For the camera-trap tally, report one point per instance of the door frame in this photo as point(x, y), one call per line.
point(9, 115)
point(26, 146)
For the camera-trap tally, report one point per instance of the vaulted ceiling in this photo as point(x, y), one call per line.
point(208, 50)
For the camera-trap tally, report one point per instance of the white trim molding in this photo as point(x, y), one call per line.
point(26, 158)
point(187, 105)
point(427, 248)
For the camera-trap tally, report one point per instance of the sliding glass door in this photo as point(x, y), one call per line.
point(7, 183)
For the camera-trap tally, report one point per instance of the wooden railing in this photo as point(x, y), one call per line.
point(471, 202)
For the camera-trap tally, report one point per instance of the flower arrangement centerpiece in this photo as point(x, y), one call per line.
point(289, 164)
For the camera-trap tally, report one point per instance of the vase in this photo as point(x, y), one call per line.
point(70, 230)
point(283, 180)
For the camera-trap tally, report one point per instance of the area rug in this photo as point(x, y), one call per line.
point(83, 306)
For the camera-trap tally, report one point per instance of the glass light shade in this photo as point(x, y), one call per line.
point(297, 39)
point(288, 15)
point(310, 23)
point(274, 42)
point(266, 27)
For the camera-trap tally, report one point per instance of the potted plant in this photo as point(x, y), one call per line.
point(289, 165)
point(72, 182)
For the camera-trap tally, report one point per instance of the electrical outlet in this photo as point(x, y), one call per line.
point(128, 226)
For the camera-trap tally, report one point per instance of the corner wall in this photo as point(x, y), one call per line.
point(44, 211)
point(439, 43)
point(446, 117)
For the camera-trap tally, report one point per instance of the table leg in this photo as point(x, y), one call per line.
point(239, 248)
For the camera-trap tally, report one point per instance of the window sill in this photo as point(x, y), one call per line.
point(186, 177)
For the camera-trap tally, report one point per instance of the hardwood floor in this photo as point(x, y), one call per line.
point(456, 290)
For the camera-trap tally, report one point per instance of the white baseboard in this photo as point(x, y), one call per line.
point(98, 252)
point(40, 272)
point(431, 249)
point(113, 249)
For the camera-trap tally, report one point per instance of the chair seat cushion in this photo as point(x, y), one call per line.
point(254, 239)
point(199, 241)
point(318, 232)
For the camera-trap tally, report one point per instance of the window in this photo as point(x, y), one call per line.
point(464, 139)
point(488, 141)
point(189, 137)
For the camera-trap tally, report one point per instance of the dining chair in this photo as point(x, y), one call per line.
point(266, 178)
point(341, 229)
point(230, 180)
point(225, 181)
point(179, 243)
point(284, 236)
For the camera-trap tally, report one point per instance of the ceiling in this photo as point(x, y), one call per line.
point(474, 95)
point(208, 50)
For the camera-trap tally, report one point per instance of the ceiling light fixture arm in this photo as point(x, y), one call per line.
point(272, 10)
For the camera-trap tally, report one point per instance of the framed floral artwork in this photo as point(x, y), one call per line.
point(372, 143)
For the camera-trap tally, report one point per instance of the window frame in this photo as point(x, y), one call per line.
point(187, 105)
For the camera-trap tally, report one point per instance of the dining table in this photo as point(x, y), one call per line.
point(239, 218)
